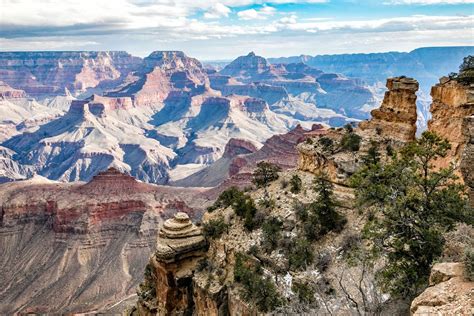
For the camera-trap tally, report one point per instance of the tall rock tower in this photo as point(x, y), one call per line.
point(167, 289)
point(396, 117)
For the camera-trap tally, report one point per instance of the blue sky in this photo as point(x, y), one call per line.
point(224, 29)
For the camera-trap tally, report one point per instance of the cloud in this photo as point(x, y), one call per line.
point(217, 11)
point(428, 2)
point(261, 14)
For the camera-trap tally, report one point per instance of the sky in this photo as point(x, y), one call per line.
point(225, 29)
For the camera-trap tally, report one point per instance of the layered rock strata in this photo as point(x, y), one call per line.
point(180, 245)
point(79, 248)
point(396, 117)
point(452, 103)
point(50, 73)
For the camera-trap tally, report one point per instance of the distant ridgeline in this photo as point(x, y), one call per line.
point(426, 64)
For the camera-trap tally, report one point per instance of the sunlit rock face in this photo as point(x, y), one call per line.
point(396, 117)
point(452, 103)
point(179, 247)
point(50, 73)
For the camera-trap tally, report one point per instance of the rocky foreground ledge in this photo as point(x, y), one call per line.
point(449, 293)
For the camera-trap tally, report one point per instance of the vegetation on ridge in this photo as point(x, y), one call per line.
point(410, 205)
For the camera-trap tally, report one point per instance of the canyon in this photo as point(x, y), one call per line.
point(63, 114)
point(106, 159)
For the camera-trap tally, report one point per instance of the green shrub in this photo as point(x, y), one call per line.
point(323, 216)
point(348, 127)
point(257, 289)
point(350, 142)
point(265, 173)
point(305, 292)
point(414, 205)
point(326, 142)
point(295, 184)
point(373, 155)
point(227, 198)
point(301, 254)
point(300, 210)
point(271, 230)
point(469, 264)
point(215, 228)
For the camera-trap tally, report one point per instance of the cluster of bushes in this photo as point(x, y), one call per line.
point(410, 206)
point(226, 198)
point(257, 289)
point(304, 291)
point(466, 71)
point(271, 232)
point(350, 141)
point(214, 228)
point(299, 253)
point(242, 204)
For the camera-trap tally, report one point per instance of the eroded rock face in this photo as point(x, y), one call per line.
point(85, 242)
point(180, 245)
point(396, 117)
point(161, 73)
point(48, 73)
point(452, 102)
point(449, 293)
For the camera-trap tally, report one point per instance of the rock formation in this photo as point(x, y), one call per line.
point(180, 245)
point(161, 73)
point(396, 117)
point(452, 103)
point(449, 292)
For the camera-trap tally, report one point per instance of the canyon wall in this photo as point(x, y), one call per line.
point(77, 248)
point(49, 73)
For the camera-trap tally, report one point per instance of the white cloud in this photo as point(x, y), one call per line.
point(252, 14)
point(428, 2)
point(217, 11)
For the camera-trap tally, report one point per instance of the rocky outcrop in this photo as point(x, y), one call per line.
point(467, 157)
point(161, 73)
point(237, 147)
point(249, 68)
point(50, 73)
point(452, 103)
point(448, 294)
point(180, 245)
point(396, 117)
